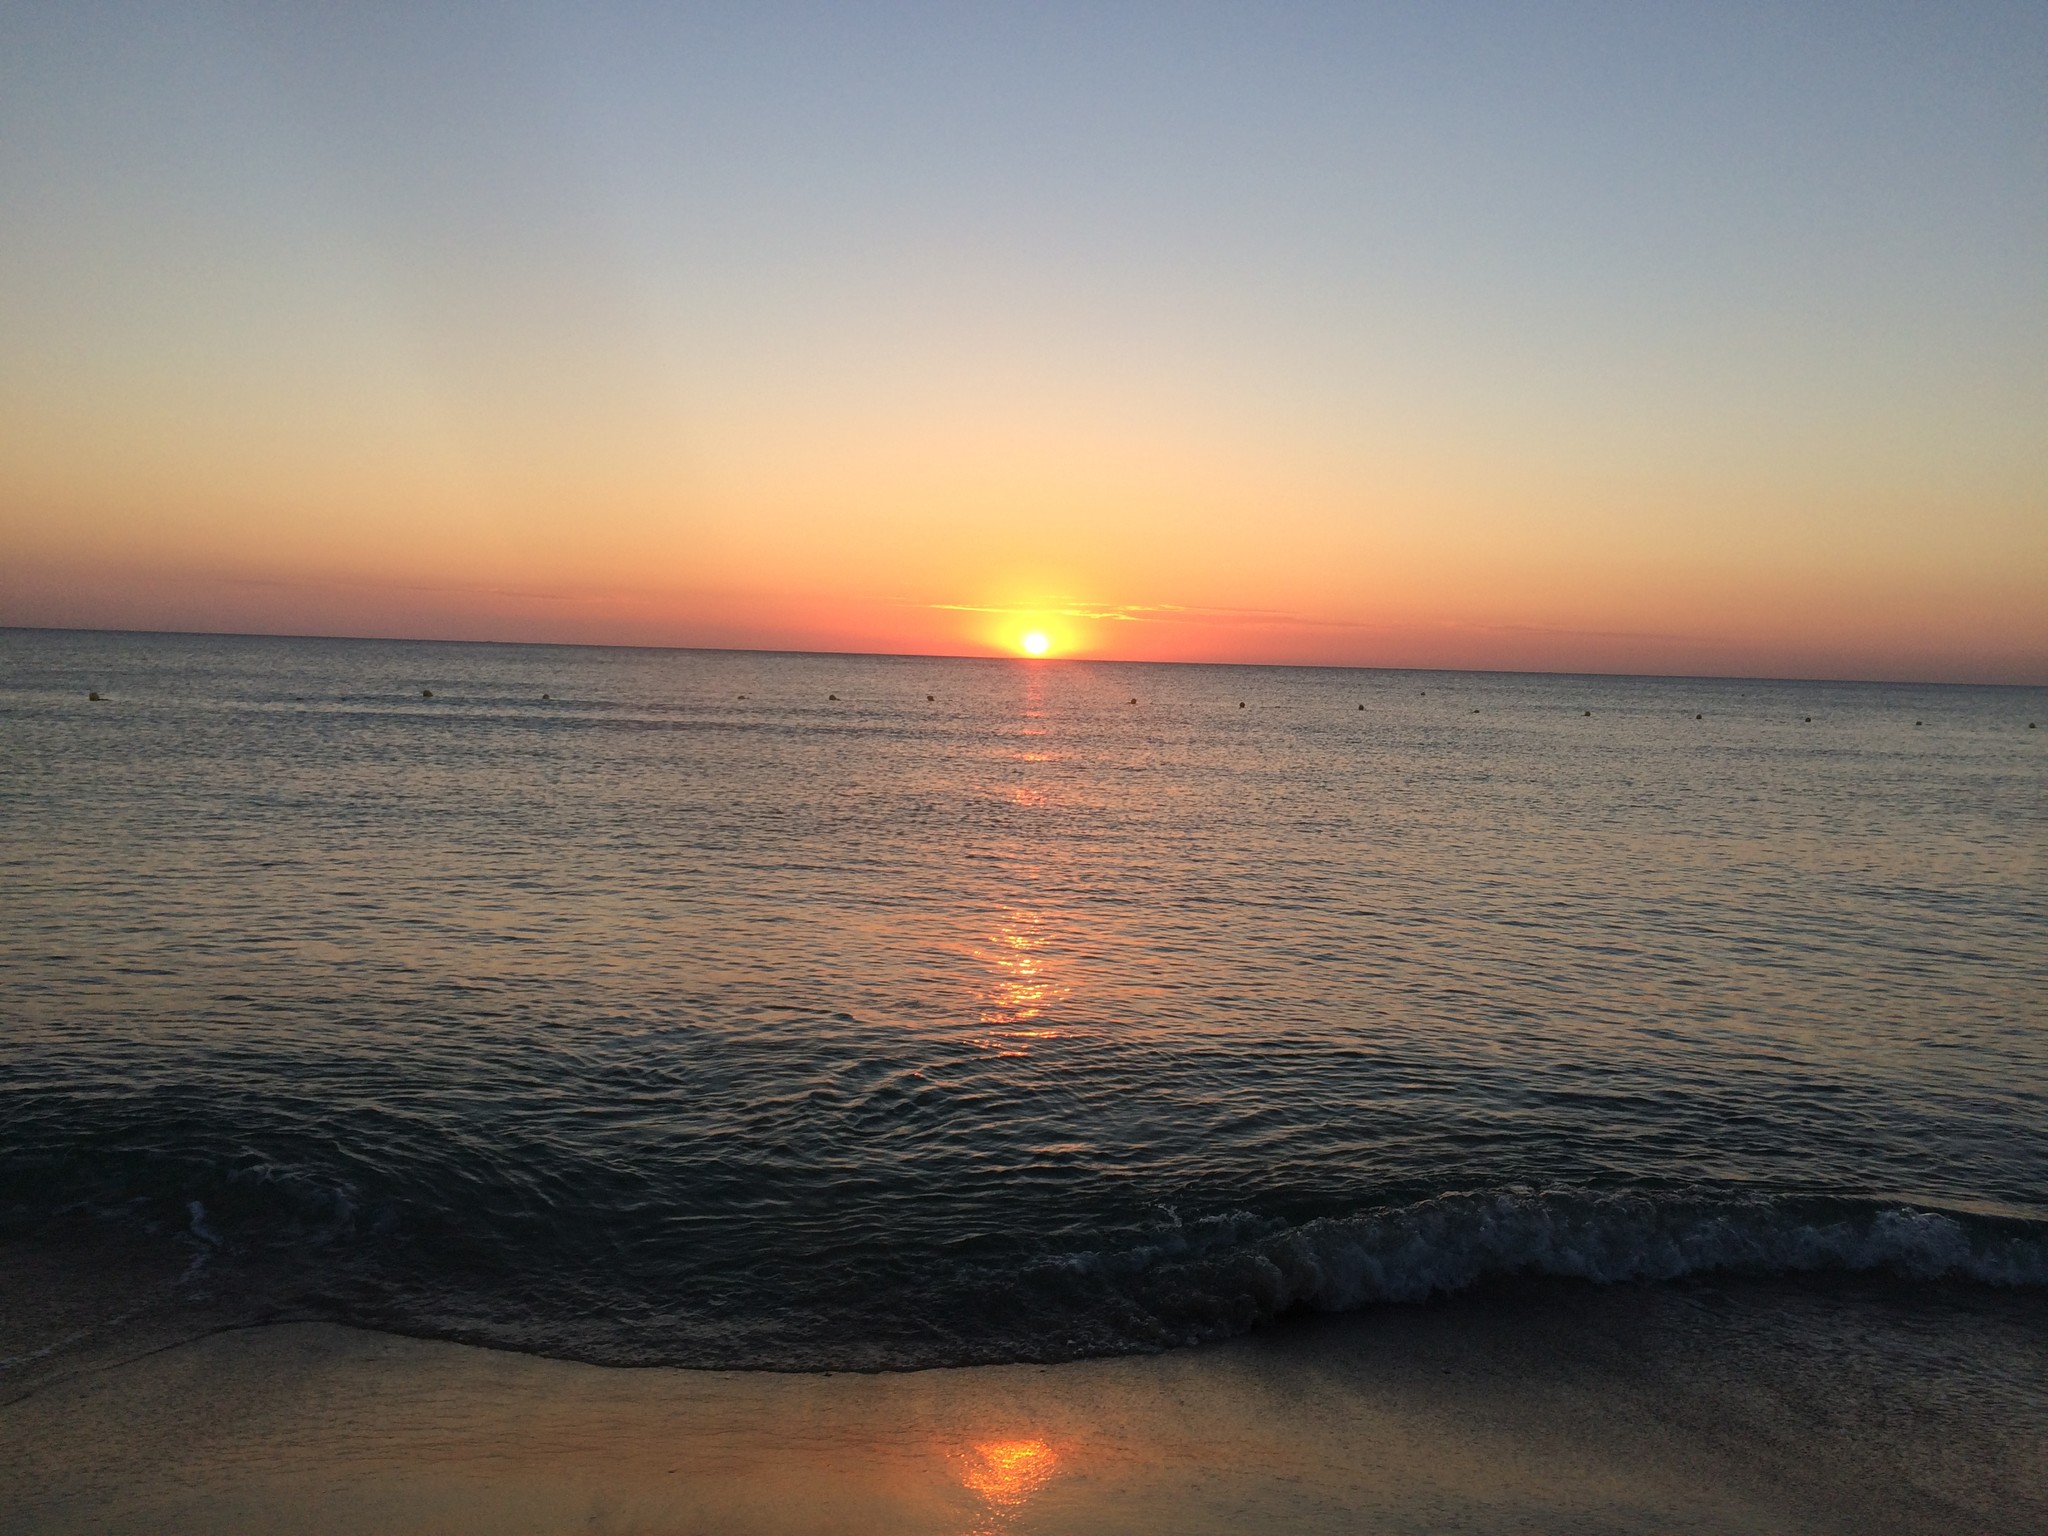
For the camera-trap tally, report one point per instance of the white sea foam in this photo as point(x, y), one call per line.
point(199, 1226)
point(1453, 1242)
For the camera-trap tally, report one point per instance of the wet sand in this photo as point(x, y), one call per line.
point(1749, 1407)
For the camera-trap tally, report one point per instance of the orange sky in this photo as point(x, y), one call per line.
point(1323, 339)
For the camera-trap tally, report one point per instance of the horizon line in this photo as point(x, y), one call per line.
point(751, 650)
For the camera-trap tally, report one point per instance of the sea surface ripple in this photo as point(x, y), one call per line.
point(796, 1011)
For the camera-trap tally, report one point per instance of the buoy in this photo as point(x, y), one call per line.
point(547, 696)
point(1809, 719)
point(1240, 703)
point(1361, 706)
point(929, 699)
point(426, 693)
point(1589, 714)
point(1475, 711)
point(1134, 701)
point(93, 698)
point(832, 698)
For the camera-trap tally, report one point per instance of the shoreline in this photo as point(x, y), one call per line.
point(1707, 1406)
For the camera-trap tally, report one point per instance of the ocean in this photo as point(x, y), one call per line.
point(851, 1012)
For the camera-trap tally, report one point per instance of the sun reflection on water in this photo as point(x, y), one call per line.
point(1021, 984)
point(1022, 987)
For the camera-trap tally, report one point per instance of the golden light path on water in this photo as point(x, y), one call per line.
point(1023, 985)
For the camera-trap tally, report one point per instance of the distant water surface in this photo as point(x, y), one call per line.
point(784, 1010)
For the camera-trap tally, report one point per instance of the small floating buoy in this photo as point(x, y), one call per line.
point(929, 699)
point(2030, 725)
point(1809, 719)
point(832, 698)
point(426, 693)
point(547, 695)
point(1916, 722)
point(93, 698)
point(1475, 711)
point(1240, 703)
point(1134, 701)
point(1589, 714)
point(1361, 706)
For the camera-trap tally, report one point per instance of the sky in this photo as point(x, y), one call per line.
point(1609, 337)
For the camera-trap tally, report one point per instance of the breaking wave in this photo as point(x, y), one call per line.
point(1222, 1274)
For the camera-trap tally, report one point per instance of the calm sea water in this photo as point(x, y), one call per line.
point(783, 1010)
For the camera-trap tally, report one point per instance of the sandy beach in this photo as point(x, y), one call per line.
point(1700, 1408)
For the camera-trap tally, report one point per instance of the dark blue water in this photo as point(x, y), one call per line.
point(646, 1005)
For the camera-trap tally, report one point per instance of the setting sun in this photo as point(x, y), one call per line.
point(1035, 643)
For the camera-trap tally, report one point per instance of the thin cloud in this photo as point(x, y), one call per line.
point(1155, 613)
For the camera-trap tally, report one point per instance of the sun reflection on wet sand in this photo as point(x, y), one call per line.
point(1004, 1474)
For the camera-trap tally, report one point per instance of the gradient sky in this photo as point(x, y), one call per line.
point(1632, 337)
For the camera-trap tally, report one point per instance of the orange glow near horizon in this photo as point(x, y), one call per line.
point(1594, 619)
point(1223, 543)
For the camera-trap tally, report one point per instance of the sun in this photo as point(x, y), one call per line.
point(1035, 643)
